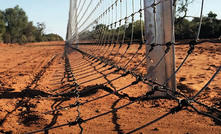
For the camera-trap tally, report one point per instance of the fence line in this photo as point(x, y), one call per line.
point(107, 35)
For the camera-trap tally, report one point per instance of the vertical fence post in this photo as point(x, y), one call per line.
point(160, 22)
point(76, 22)
point(72, 36)
point(68, 34)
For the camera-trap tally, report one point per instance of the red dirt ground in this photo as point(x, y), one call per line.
point(26, 78)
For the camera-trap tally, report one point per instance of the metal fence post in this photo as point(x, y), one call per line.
point(72, 36)
point(160, 19)
point(76, 22)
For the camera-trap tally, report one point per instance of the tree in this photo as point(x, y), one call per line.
point(41, 27)
point(86, 35)
point(100, 26)
point(29, 32)
point(185, 29)
point(211, 26)
point(39, 33)
point(182, 8)
point(16, 21)
point(212, 15)
point(52, 37)
point(2, 25)
point(136, 30)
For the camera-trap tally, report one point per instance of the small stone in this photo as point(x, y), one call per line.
point(24, 108)
point(207, 88)
point(156, 129)
point(97, 111)
point(182, 79)
point(66, 109)
point(213, 65)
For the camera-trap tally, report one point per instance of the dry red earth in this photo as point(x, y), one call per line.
point(31, 72)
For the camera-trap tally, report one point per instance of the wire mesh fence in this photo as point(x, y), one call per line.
point(106, 43)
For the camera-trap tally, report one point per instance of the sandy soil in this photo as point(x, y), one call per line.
point(30, 73)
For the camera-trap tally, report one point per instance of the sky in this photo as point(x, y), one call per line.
point(54, 13)
point(209, 5)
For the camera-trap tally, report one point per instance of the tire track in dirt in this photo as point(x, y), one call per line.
point(18, 76)
point(27, 116)
point(34, 83)
point(20, 63)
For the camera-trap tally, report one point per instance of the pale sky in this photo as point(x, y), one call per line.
point(209, 5)
point(55, 12)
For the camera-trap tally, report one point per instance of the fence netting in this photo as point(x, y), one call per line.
point(106, 48)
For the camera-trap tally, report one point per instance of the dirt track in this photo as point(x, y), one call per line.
point(30, 73)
